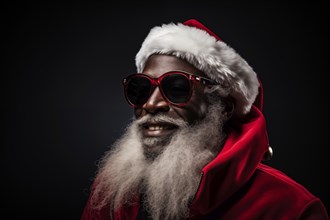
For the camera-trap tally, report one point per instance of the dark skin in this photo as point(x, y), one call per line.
point(192, 112)
point(156, 66)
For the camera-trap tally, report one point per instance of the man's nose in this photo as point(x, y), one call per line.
point(156, 103)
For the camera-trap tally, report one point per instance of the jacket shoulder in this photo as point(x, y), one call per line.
point(290, 194)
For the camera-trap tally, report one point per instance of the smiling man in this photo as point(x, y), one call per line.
point(196, 145)
point(172, 107)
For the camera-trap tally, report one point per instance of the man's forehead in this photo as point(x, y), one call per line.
point(158, 64)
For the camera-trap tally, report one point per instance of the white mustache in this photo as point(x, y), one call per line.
point(161, 119)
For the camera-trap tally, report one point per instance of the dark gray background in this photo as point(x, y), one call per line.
point(63, 104)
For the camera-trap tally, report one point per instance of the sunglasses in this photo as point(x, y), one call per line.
point(176, 87)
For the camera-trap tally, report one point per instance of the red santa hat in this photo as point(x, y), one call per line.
point(198, 45)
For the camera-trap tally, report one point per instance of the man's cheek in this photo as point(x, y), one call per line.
point(138, 112)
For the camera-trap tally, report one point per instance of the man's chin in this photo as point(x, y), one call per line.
point(152, 152)
point(153, 147)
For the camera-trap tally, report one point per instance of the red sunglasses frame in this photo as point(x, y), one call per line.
point(156, 82)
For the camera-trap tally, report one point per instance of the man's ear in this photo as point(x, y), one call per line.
point(229, 107)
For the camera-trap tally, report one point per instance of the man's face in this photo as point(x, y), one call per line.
point(163, 140)
point(190, 113)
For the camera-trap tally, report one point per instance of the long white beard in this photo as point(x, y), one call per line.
point(170, 181)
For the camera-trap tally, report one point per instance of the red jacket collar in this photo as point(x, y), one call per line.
point(243, 150)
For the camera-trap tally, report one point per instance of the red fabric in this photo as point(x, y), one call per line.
point(126, 213)
point(241, 154)
point(197, 24)
point(235, 185)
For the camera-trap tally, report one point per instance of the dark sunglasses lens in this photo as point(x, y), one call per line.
point(176, 88)
point(138, 90)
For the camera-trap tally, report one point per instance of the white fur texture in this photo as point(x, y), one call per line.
point(170, 181)
point(215, 58)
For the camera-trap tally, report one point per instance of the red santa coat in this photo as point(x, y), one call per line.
point(237, 185)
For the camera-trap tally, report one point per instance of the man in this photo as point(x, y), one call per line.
point(196, 148)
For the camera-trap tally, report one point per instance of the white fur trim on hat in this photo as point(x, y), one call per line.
point(213, 57)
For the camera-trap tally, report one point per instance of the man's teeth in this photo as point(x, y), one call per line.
point(156, 128)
